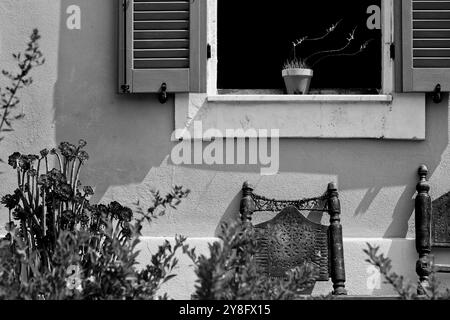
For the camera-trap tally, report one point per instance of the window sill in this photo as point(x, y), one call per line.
point(299, 98)
point(388, 117)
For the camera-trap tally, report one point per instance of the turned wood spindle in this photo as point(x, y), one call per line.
point(336, 241)
point(247, 206)
point(423, 230)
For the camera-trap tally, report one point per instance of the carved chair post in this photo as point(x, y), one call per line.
point(247, 206)
point(336, 241)
point(423, 230)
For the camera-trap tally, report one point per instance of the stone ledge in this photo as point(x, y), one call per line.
point(396, 117)
point(300, 98)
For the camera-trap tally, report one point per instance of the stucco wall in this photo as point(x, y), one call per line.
point(74, 96)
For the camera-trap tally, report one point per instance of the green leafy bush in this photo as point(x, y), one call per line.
point(63, 247)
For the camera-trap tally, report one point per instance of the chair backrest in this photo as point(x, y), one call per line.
point(432, 228)
point(290, 239)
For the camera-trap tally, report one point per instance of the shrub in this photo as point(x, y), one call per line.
point(230, 272)
point(402, 286)
point(26, 61)
point(65, 248)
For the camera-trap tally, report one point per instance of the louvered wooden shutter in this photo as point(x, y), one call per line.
point(426, 45)
point(162, 41)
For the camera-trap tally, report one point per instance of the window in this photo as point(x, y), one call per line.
point(255, 39)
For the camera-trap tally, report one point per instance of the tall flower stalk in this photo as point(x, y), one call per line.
point(317, 57)
point(26, 61)
point(47, 200)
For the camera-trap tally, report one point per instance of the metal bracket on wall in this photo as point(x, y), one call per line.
point(437, 94)
point(162, 95)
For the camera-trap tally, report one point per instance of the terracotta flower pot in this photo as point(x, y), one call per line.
point(297, 80)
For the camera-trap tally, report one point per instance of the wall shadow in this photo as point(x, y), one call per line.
point(127, 135)
point(368, 164)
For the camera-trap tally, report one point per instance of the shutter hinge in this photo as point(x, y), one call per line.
point(208, 51)
point(125, 4)
point(392, 51)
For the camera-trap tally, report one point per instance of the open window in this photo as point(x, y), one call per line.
point(255, 38)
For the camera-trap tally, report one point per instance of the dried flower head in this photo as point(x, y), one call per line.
point(83, 156)
point(44, 153)
point(13, 159)
point(88, 191)
point(68, 150)
point(82, 143)
point(10, 201)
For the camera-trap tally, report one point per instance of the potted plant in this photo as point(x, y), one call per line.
point(297, 72)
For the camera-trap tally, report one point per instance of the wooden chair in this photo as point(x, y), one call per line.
point(290, 239)
point(432, 229)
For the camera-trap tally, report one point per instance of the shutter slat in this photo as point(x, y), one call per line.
point(433, 15)
point(431, 5)
point(433, 52)
point(169, 1)
point(431, 24)
point(161, 44)
point(431, 63)
point(431, 43)
point(161, 34)
point(161, 6)
point(162, 25)
point(158, 53)
point(161, 63)
point(161, 15)
point(431, 34)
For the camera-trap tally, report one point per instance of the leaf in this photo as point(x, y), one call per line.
point(169, 277)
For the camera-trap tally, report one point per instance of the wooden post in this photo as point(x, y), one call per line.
point(336, 242)
point(247, 206)
point(423, 230)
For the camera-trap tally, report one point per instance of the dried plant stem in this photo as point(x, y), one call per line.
point(44, 213)
point(335, 51)
point(338, 55)
point(8, 105)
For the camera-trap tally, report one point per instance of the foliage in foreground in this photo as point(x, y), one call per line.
point(62, 247)
point(32, 57)
point(230, 271)
point(401, 286)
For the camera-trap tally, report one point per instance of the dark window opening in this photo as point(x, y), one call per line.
point(255, 39)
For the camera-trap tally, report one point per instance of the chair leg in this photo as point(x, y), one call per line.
point(336, 242)
point(423, 230)
point(247, 206)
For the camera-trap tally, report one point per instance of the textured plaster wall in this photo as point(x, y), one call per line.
point(74, 96)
